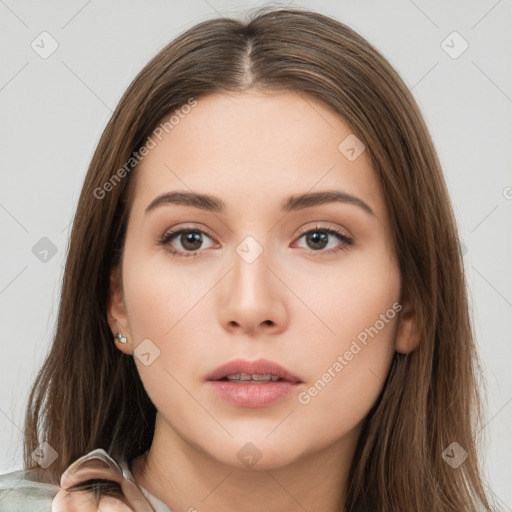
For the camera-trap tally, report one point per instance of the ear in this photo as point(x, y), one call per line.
point(407, 336)
point(116, 312)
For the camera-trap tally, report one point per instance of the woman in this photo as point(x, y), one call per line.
point(264, 295)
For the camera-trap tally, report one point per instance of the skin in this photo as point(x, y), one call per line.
point(295, 304)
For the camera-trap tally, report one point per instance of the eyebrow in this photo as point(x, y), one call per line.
point(292, 203)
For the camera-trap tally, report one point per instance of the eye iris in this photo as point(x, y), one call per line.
point(191, 237)
point(317, 236)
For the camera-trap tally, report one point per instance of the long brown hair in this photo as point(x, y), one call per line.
point(89, 395)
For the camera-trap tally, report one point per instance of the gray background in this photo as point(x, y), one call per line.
point(54, 110)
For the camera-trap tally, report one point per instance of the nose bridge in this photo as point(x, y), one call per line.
point(254, 297)
point(251, 276)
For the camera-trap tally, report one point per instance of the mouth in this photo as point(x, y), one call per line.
point(252, 384)
point(245, 378)
point(261, 371)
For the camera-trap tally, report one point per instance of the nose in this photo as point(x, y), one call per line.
point(254, 298)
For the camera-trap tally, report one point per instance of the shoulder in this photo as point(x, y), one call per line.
point(21, 492)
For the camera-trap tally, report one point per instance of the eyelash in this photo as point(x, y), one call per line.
point(347, 241)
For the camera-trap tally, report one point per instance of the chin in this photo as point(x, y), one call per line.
point(260, 454)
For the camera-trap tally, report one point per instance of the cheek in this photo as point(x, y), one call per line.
point(160, 303)
point(158, 292)
point(347, 374)
point(352, 371)
point(164, 306)
point(345, 298)
point(348, 365)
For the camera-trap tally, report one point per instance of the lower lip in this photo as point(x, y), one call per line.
point(253, 395)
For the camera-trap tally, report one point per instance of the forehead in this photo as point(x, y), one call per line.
point(254, 147)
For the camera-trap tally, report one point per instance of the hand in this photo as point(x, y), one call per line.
point(91, 473)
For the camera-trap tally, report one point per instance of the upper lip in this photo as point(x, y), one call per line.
point(259, 367)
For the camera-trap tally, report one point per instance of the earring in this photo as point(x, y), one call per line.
point(120, 338)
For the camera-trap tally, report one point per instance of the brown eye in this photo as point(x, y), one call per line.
point(319, 238)
point(190, 241)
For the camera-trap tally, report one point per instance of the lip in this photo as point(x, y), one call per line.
point(260, 366)
point(255, 395)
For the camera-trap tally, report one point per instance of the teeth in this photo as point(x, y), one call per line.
point(238, 377)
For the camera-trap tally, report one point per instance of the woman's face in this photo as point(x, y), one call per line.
point(263, 277)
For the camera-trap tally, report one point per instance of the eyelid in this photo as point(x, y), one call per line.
point(186, 226)
point(319, 225)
